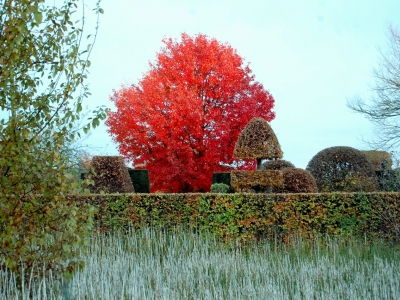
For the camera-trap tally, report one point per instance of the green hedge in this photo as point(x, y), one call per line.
point(253, 216)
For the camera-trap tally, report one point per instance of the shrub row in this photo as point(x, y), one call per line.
point(247, 216)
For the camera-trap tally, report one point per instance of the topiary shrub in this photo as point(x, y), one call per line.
point(279, 164)
point(258, 181)
point(257, 141)
point(298, 181)
point(380, 160)
point(220, 188)
point(110, 175)
point(342, 169)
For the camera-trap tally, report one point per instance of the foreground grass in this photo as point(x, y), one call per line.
point(150, 264)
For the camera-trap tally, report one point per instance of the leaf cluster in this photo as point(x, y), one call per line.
point(43, 66)
point(388, 180)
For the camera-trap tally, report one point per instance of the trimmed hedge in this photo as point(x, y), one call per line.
point(248, 216)
point(259, 181)
point(140, 180)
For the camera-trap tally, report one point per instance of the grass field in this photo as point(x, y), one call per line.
point(152, 264)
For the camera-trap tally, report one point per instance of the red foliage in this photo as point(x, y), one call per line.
point(184, 116)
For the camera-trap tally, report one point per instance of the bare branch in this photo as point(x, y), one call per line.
point(383, 109)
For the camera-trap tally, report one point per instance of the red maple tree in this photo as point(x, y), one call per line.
point(183, 118)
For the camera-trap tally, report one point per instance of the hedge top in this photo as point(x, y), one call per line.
point(258, 141)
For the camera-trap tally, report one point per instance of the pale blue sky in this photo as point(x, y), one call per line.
point(311, 55)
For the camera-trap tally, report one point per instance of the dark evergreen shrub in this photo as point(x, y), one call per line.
point(222, 177)
point(140, 180)
point(342, 169)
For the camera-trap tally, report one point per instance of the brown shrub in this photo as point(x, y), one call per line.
point(299, 181)
point(342, 169)
point(110, 175)
point(258, 141)
point(278, 164)
point(380, 160)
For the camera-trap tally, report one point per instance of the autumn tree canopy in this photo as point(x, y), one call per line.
point(183, 118)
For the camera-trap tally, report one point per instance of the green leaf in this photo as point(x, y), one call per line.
point(95, 122)
point(86, 129)
point(38, 17)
